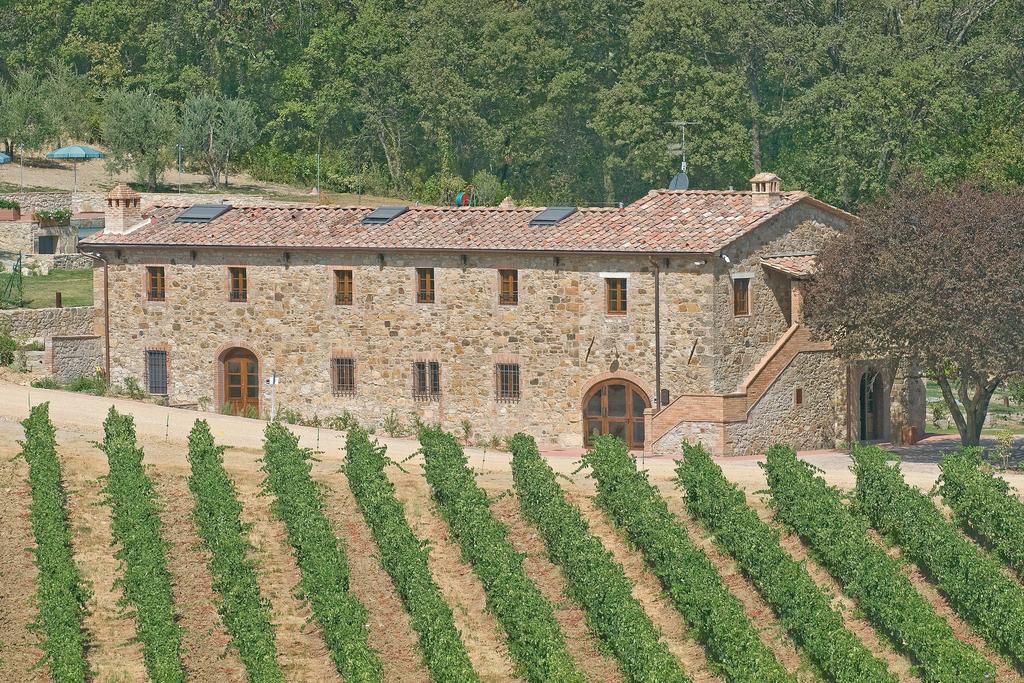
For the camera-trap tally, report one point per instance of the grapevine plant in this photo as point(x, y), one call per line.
point(60, 592)
point(839, 539)
point(535, 639)
point(405, 559)
point(298, 502)
point(975, 584)
point(596, 581)
point(217, 515)
point(143, 554)
point(801, 605)
point(695, 587)
point(984, 505)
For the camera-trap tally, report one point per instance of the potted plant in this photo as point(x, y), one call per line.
point(10, 210)
point(51, 218)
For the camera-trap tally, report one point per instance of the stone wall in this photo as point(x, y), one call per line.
point(559, 333)
point(39, 201)
point(816, 423)
point(43, 323)
point(741, 341)
point(70, 357)
point(710, 434)
point(22, 237)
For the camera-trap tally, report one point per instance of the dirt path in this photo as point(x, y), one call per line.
point(112, 654)
point(390, 630)
point(648, 591)
point(582, 644)
point(206, 649)
point(301, 649)
point(483, 636)
point(19, 646)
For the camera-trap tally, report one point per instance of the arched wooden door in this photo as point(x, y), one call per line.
point(242, 381)
point(871, 406)
point(615, 407)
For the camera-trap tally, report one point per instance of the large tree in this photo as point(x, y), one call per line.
point(933, 277)
point(215, 131)
point(139, 129)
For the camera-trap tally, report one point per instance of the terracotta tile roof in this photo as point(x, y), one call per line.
point(797, 265)
point(122, 191)
point(664, 221)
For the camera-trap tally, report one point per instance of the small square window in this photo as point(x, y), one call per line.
point(343, 287)
point(741, 296)
point(156, 372)
point(238, 283)
point(508, 294)
point(616, 295)
point(424, 285)
point(426, 380)
point(155, 287)
point(506, 382)
point(343, 376)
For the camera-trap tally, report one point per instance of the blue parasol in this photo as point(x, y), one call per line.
point(76, 153)
point(4, 159)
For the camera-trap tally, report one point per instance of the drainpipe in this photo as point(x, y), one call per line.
point(106, 311)
point(657, 334)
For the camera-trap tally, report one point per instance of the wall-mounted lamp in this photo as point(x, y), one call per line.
point(666, 262)
point(558, 261)
point(465, 260)
point(193, 254)
point(700, 263)
point(287, 257)
point(380, 260)
point(726, 258)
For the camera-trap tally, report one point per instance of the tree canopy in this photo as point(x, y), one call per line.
point(934, 278)
point(559, 101)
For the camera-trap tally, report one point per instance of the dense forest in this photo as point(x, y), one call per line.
point(546, 100)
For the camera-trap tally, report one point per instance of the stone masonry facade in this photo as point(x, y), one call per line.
point(732, 380)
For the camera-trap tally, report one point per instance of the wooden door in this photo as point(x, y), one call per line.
point(870, 407)
point(616, 408)
point(241, 382)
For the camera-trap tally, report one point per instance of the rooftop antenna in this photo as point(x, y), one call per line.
point(680, 181)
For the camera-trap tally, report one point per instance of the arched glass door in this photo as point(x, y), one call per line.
point(870, 406)
point(615, 407)
point(241, 382)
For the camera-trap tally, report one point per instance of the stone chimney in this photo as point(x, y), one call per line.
point(507, 203)
point(764, 191)
point(123, 212)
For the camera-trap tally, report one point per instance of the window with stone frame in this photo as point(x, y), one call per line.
point(798, 396)
point(426, 380)
point(155, 283)
point(343, 376)
point(506, 382)
point(343, 287)
point(156, 372)
point(741, 296)
point(238, 284)
point(615, 289)
point(508, 292)
point(424, 285)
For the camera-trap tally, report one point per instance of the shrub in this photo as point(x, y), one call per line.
point(869, 575)
point(804, 609)
point(392, 426)
point(9, 203)
point(130, 388)
point(343, 422)
point(143, 554)
point(534, 637)
point(60, 592)
point(298, 502)
point(698, 592)
point(95, 385)
point(596, 581)
point(404, 557)
point(57, 215)
point(217, 515)
point(8, 345)
point(984, 505)
point(45, 383)
point(974, 584)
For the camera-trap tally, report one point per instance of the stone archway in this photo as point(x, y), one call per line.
point(615, 406)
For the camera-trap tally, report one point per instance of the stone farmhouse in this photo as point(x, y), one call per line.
point(675, 317)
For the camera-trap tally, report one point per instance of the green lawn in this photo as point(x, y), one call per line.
point(75, 287)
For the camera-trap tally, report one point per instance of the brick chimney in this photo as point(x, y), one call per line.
point(764, 191)
point(123, 212)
